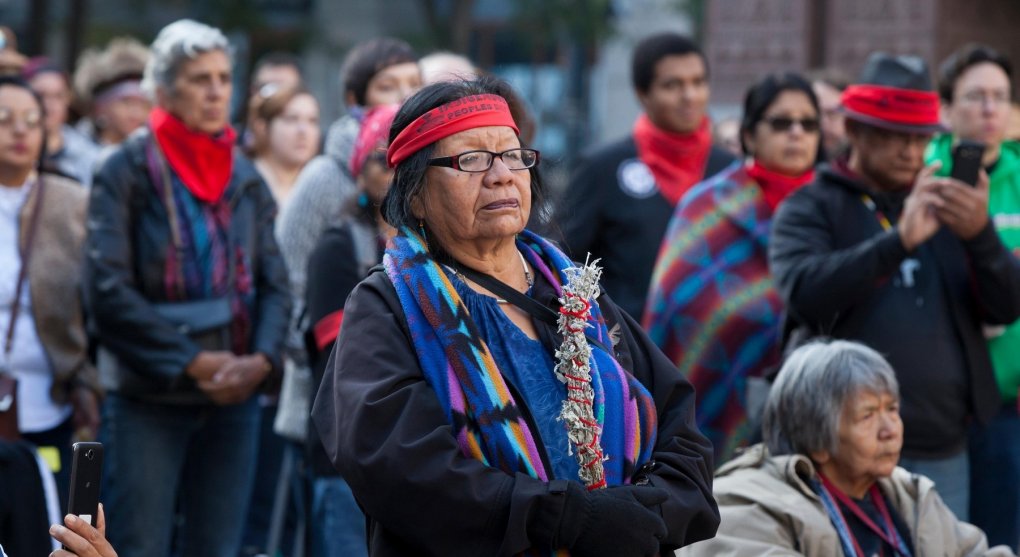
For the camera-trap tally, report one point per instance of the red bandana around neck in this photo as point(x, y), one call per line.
point(203, 162)
point(676, 160)
point(776, 186)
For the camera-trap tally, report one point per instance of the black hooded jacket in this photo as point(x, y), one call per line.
point(843, 275)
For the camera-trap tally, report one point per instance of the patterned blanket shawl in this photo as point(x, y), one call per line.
point(487, 420)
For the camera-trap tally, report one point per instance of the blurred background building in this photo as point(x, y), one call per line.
point(569, 58)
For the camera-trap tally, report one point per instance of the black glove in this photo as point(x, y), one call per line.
point(619, 521)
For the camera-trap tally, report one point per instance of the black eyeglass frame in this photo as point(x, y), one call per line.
point(453, 161)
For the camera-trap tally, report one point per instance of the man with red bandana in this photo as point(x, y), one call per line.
point(621, 196)
point(880, 250)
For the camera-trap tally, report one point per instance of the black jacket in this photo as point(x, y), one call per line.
point(128, 235)
point(383, 427)
point(840, 275)
point(24, 519)
point(613, 209)
point(335, 267)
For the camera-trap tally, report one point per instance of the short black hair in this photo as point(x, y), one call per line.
point(409, 176)
point(957, 63)
point(278, 58)
point(762, 94)
point(370, 58)
point(651, 49)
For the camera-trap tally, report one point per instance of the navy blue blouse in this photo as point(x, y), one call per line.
point(528, 366)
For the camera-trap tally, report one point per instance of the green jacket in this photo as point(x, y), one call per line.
point(1004, 207)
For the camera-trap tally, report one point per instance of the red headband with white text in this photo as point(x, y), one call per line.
point(466, 113)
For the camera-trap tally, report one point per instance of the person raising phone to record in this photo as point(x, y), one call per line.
point(80, 539)
point(975, 91)
point(879, 250)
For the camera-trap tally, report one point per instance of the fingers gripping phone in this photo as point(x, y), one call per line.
point(86, 471)
point(967, 161)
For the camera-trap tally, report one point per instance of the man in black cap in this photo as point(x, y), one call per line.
point(880, 250)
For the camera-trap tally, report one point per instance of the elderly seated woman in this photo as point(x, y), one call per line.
point(825, 482)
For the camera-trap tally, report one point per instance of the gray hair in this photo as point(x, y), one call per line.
point(446, 66)
point(182, 40)
point(803, 410)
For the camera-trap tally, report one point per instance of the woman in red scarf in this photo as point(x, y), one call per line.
point(189, 295)
point(712, 307)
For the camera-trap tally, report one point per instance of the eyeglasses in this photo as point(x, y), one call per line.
point(980, 97)
point(31, 119)
point(481, 161)
point(784, 124)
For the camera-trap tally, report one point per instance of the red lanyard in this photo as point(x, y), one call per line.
point(888, 534)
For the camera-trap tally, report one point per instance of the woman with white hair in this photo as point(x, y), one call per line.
point(188, 292)
point(825, 481)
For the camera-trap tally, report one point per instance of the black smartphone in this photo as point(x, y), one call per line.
point(967, 161)
point(86, 472)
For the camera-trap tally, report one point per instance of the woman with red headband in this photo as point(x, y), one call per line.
point(483, 398)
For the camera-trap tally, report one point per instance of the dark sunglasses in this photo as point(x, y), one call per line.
point(784, 124)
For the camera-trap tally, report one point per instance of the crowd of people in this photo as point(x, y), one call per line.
point(791, 332)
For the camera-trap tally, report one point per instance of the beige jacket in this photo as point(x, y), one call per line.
point(54, 281)
point(769, 510)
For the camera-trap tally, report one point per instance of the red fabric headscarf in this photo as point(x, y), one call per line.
point(676, 160)
point(775, 186)
point(203, 162)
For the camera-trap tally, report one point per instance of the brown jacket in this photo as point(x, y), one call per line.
point(769, 509)
point(54, 280)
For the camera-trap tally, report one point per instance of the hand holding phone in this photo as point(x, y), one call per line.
point(964, 208)
point(86, 472)
point(80, 539)
point(967, 161)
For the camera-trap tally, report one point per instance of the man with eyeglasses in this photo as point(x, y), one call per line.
point(974, 85)
point(882, 251)
point(621, 196)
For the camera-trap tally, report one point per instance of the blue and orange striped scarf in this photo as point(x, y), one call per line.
point(487, 421)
